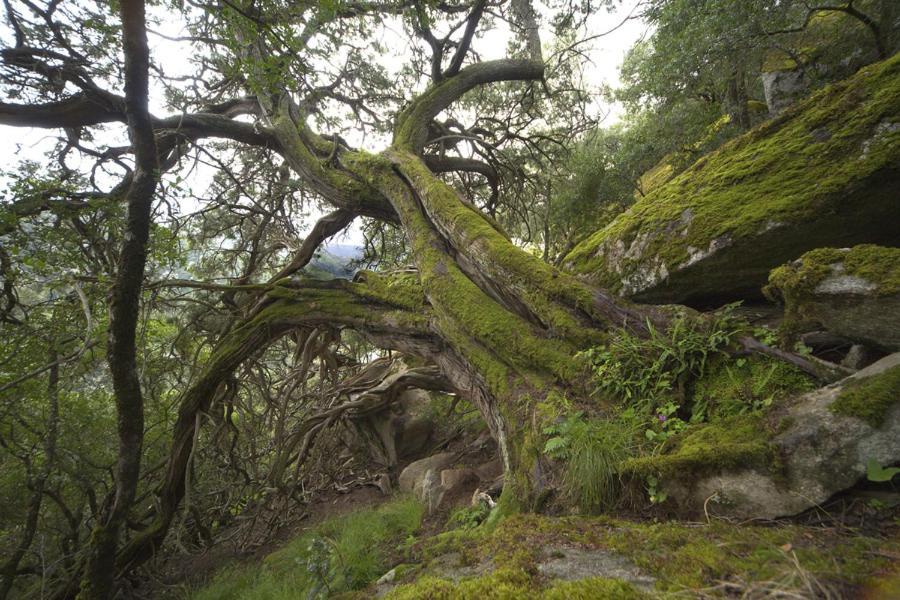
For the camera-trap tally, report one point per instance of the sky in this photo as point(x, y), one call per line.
point(605, 53)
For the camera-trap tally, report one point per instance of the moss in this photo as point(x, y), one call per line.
point(796, 281)
point(740, 441)
point(593, 587)
point(869, 399)
point(683, 557)
point(398, 289)
point(514, 584)
point(794, 284)
point(744, 385)
point(779, 173)
point(690, 556)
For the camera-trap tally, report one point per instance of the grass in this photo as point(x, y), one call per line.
point(596, 451)
point(339, 555)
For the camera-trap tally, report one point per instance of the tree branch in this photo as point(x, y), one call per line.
point(411, 131)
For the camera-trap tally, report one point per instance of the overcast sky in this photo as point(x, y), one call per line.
point(606, 54)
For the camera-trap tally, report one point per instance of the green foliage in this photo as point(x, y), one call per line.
point(878, 474)
point(593, 451)
point(648, 372)
point(870, 398)
point(342, 554)
point(734, 442)
point(468, 517)
point(745, 385)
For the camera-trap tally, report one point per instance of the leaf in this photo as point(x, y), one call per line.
point(554, 445)
point(878, 474)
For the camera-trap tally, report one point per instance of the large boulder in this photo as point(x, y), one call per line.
point(826, 441)
point(415, 472)
point(851, 292)
point(823, 173)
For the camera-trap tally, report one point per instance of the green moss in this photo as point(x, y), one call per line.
point(593, 587)
point(513, 584)
point(692, 557)
point(683, 557)
point(740, 441)
point(398, 289)
point(796, 281)
point(744, 385)
point(869, 399)
point(781, 172)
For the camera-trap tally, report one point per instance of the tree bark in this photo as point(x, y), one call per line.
point(100, 570)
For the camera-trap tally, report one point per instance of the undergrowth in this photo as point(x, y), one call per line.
point(593, 451)
point(664, 388)
point(339, 555)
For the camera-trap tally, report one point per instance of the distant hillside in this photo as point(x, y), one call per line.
point(334, 261)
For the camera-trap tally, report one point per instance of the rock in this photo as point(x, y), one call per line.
point(808, 178)
point(852, 292)
point(383, 483)
point(454, 480)
point(857, 357)
point(823, 449)
point(490, 470)
point(387, 577)
point(429, 490)
point(415, 472)
point(414, 436)
point(569, 564)
point(782, 88)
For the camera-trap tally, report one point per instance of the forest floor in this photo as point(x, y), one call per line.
point(364, 544)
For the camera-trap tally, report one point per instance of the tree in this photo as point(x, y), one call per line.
point(280, 96)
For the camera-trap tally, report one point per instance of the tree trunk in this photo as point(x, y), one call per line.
point(124, 307)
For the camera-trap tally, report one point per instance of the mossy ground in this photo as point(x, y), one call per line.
point(503, 558)
point(683, 557)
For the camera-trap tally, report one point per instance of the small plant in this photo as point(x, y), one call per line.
point(593, 452)
point(878, 474)
point(666, 424)
point(648, 372)
point(319, 566)
point(468, 517)
point(657, 496)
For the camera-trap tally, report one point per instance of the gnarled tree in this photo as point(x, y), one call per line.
point(500, 325)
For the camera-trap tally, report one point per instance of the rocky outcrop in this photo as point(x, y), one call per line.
point(828, 438)
point(851, 292)
point(823, 173)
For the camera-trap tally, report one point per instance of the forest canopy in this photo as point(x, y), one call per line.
point(184, 357)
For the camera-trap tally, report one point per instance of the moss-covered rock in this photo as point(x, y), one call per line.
point(745, 385)
point(735, 443)
point(870, 399)
point(823, 173)
point(853, 292)
point(820, 444)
